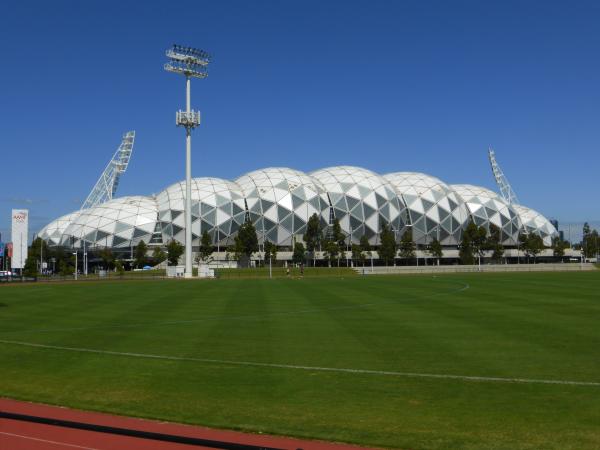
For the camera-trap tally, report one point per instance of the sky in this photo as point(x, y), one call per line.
point(423, 86)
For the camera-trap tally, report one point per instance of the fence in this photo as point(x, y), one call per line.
point(558, 267)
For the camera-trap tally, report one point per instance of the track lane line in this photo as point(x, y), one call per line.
point(46, 441)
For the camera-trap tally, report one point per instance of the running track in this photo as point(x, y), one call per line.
point(28, 435)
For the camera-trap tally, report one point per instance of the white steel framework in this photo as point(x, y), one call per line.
point(505, 189)
point(192, 63)
point(106, 186)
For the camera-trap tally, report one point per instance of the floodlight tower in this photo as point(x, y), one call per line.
point(505, 189)
point(192, 63)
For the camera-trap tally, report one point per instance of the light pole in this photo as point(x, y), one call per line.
point(192, 63)
point(75, 253)
point(85, 259)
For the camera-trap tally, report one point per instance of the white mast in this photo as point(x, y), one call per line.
point(192, 63)
point(106, 186)
point(507, 192)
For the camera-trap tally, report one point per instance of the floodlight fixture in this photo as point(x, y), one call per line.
point(193, 63)
point(187, 61)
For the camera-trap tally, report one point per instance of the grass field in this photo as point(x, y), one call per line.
point(231, 349)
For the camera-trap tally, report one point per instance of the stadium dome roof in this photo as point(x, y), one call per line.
point(120, 222)
point(486, 207)
point(533, 222)
point(434, 209)
point(52, 233)
point(362, 201)
point(280, 201)
point(217, 207)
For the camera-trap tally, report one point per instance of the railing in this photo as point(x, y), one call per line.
point(559, 267)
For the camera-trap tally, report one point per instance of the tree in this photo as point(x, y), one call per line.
point(465, 251)
point(299, 253)
point(206, 247)
point(332, 250)
point(387, 248)
point(64, 268)
point(237, 249)
point(158, 255)
point(595, 248)
point(357, 253)
point(407, 246)
point(312, 237)
point(473, 243)
point(435, 250)
point(337, 234)
point(107, 257)
point(494, 243)
point(365, 248)
point(339, 238)
point(536, 245)
point(140, 254)
point(558, 247)
point(479, 240)
point(590, 242)
point(248, 239)
point(270, 251)
point(38, 252)
point(60, 255)
point(119, 267)
point(30, 267)
point(531, 244)
point(174, 251)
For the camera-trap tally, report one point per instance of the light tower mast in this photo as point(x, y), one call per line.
point(106, 186)
point(507, 192)
point(192, 63)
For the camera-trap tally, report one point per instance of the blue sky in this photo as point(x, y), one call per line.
point(413, 86)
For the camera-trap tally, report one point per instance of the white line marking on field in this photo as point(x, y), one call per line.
point(63, 444)
point(208, 318)
point(309, 368)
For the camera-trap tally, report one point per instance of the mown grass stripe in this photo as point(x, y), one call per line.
point(308, 368)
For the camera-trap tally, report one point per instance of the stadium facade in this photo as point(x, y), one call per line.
point(279, 202)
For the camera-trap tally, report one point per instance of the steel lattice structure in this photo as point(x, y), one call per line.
point(106, 186)
point(279, 202)
point(507, 192)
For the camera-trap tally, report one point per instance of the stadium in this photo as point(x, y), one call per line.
point(279, 202)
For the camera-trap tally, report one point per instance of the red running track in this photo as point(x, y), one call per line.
point(26, 435)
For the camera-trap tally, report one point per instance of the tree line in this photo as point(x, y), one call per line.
point(476, 242)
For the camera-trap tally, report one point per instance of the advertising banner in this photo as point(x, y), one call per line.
point(1, 249)
point(20, 225)
point(9, 249)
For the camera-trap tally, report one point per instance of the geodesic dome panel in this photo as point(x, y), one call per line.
point(119, 223)
point(533, 222)
point(486, 207)
point(434, 210)
point(362, 201)
point(280, 201)
point(217, 207)
point(52, 233)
